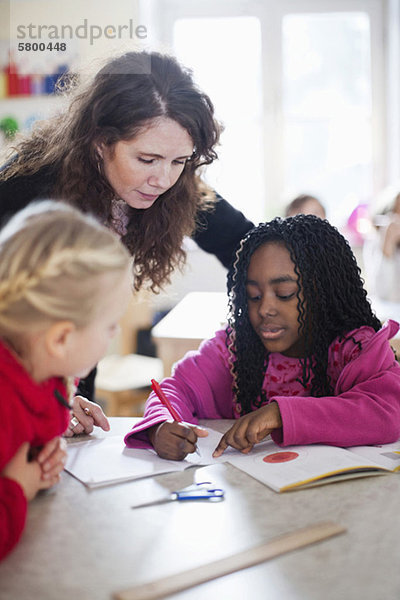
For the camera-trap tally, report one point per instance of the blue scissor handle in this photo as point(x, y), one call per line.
point(200, 491)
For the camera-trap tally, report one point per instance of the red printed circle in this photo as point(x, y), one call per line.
point(279, 457)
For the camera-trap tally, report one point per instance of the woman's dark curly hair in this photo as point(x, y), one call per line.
point(332, 303)
point(120, 102)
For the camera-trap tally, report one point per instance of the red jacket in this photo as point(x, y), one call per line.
point(29, 412)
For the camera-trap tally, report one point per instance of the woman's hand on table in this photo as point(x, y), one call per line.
point(85, 415)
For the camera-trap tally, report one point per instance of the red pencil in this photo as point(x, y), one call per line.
point(163, 398)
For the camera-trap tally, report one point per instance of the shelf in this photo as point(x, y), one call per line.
point(28, 109)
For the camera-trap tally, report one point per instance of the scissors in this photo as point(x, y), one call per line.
point(198, 491)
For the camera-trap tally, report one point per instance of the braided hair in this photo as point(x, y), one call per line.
point(333, 302)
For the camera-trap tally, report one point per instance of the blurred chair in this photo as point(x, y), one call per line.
point(124, 382)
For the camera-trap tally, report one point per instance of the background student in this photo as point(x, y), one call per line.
point(64, 284)
point(304, 204)
point(303, 358)
point(129, 148)
point(381, 252)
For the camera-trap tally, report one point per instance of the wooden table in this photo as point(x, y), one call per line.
point(86, 544)
point(194, 319)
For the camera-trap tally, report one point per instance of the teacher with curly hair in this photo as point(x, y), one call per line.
point(128, 148)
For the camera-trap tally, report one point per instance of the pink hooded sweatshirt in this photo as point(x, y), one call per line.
point(364, 408)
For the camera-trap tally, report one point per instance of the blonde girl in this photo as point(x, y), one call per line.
point(64, 282)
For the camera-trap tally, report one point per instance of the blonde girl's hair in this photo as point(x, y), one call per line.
point(52, 259)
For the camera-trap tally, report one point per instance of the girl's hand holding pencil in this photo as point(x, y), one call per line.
point(173, 440)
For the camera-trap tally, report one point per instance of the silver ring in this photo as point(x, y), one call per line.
point(74, 422)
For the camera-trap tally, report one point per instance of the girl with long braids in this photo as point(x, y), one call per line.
point(303, 358)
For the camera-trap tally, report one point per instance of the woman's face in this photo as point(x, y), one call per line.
point(141, 169)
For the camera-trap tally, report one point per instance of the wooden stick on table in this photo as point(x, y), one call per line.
point(253, 556)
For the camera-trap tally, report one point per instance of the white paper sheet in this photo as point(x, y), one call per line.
point(106, 460)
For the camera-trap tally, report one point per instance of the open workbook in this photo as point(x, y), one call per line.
point(295, 467)
point(106, 460)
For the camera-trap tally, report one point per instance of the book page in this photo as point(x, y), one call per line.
point(292, 466)
point(107, 460)
point(98, 461)
point(386, 455)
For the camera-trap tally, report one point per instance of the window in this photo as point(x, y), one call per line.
point(299, 86)
point(238, 174)
point(327, 109)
